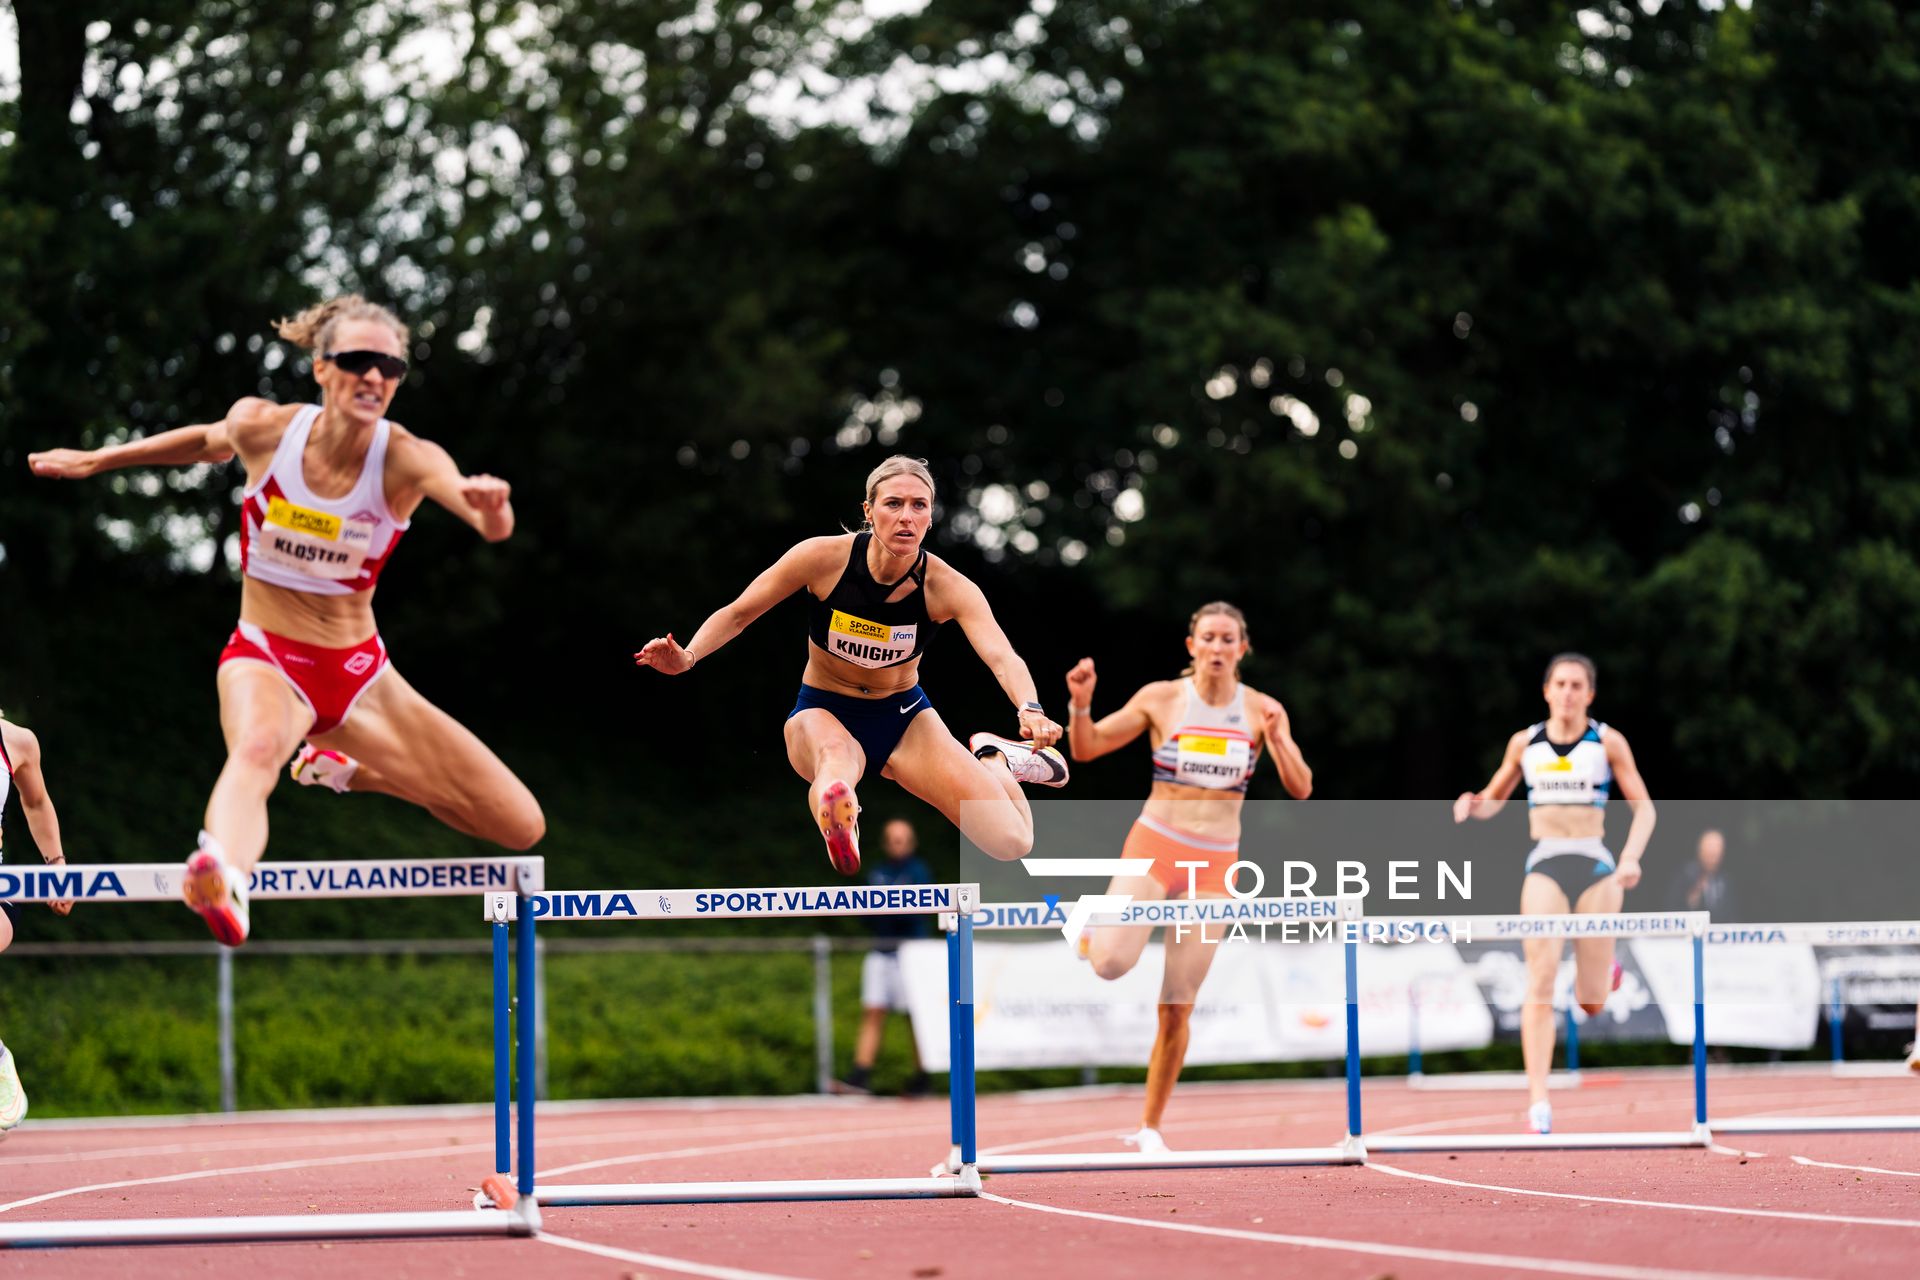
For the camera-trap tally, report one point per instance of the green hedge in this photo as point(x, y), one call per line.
point(128, 1036)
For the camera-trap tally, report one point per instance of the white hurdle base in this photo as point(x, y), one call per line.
point(967, 1183)
point(1819, 1124)
point(292, 1226)
point(1386, 1143)
point(1102, 1161)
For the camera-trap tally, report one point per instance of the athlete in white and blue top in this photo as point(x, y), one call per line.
point(1572, 765)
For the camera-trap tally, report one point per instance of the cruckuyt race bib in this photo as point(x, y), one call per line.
point(1212, 762)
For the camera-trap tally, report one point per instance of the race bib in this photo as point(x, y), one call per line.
point(869, 644)
point(312, 542)
point(1211, 762)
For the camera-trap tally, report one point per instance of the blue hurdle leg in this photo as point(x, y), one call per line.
point(524, 972)
point(502, 1057)
point(969, 1118)
point(1414, 1065)
point(1837, 1020)
point(1699, 1030)
point(1353, 1039)
point(953, 1033)
point(1573, 1040)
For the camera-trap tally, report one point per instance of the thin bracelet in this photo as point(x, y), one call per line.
point(1073, 711)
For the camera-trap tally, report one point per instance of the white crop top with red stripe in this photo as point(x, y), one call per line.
point(324, 546)
point(6, 777)
point(1211, 746)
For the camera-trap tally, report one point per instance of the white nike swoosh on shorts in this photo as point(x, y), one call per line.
point(911, 705)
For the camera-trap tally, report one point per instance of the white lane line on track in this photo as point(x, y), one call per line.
point(419, 1153)
point(1856, 1168)
point(682, 1265)
point(756, 1144)
point(599, 1137)
point(1791, 1215)
point(1719, 1150)
point(1382, 1249)
point(281, 1166)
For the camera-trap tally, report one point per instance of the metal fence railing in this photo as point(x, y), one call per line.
point(821, 946)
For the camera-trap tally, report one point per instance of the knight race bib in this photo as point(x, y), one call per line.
point(869, 644)
point(1211, 762)
point(312, 542)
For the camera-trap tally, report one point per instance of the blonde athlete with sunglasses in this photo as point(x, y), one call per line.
point(330, 489)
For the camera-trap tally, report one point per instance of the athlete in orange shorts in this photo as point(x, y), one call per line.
point(1208, 731)
point(330, 490)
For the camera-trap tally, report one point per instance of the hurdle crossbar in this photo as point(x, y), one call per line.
point(275, 1227)
point(1840, 933)
point(129, 882)
point(503, 910)
point(271, 881)
point(1507, 928)
point(1300, 919)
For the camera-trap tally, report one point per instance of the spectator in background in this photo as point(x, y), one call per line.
point(882, 989)
point(1701, 885)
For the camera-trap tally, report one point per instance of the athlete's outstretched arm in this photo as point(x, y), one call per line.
point(1493, 797)
point(482, 501)
point(1633, 789)
point(24, 750)
point(182, 446)
point(803, 562)
point(1087, 738)
point(1295, 776)
point(975, 617)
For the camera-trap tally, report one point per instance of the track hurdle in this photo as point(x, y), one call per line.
point(1683, 924)
point(1320, 918)
point(95, 884)
point(1833, 933)
point(504, 909)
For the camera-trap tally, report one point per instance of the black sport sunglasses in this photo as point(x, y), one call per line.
point(393, 368)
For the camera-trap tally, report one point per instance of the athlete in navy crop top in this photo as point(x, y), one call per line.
point(874, 599)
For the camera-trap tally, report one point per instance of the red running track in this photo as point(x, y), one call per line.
point(1802, 1205)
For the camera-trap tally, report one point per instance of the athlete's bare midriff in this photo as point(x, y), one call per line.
point(837, 675)
point(1566, 821)
point(1211, 815)
point(333, 622)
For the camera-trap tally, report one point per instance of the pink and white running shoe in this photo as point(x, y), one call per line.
point(319, 767)
point(839, 819)
point(218, 892)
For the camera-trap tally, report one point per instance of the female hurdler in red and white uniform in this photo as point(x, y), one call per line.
point(20, 771)
point(1207, 731)
point(330, 489)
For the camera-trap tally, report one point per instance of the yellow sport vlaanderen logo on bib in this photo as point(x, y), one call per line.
point(869, 644)
point(1214, 763)
point(317, 523)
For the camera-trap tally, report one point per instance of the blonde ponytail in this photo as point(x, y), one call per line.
point(312, 329)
